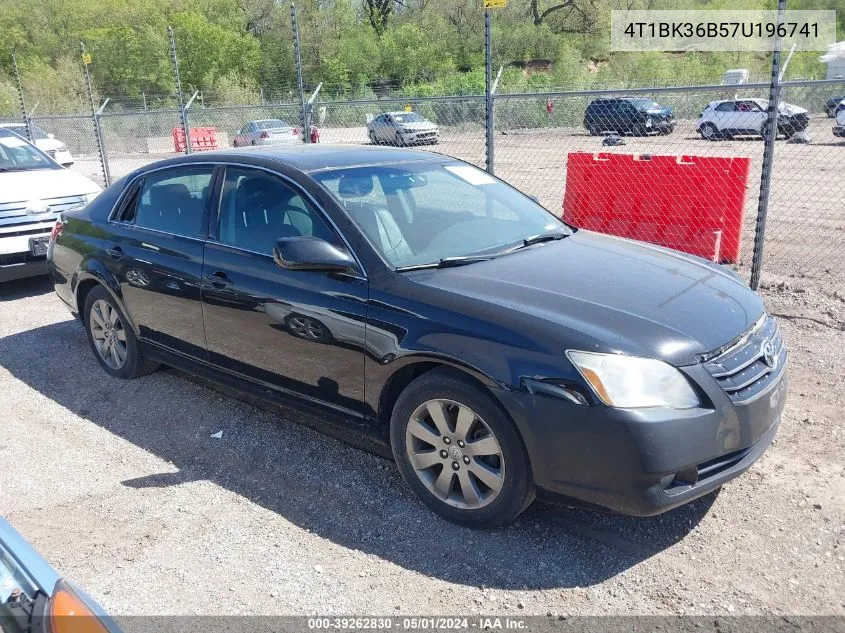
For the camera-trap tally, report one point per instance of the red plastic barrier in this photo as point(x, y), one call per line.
point(202, 138)
point(693, 204)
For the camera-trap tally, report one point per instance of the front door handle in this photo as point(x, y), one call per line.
point(219, 279)
point(115, 253)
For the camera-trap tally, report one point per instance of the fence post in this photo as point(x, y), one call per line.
point(183, 113)
point(303, 114)
point(768, 157)
point(26, 122)
point(95, 117)
point(488, 93)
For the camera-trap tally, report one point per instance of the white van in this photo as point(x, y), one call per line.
point(34, 189)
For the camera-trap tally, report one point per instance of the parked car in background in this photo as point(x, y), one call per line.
point(833, 105)
point(748, 117)
point(34, 598)
point(419, 300)
point(628, 115)
point(34, 189)
point(839, 128)
point(44, 141)
point(267, 132)
point(402, 128)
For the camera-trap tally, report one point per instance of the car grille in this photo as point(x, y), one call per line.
point(747, 366)
point(426, 134)
point(18, 209)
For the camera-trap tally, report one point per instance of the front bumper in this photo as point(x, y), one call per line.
point(63, 157)
point(659, 125)
point(427, 136)
point(643, 461)
point(16, 260)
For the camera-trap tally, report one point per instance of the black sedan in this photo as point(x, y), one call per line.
point(426, 305)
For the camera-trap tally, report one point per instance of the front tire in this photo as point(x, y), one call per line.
point(709, 132)
point(459, 452)
point(112, 339)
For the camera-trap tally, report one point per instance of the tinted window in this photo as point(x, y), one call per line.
point(728, 106)
point(258, 208)
point(174, 200)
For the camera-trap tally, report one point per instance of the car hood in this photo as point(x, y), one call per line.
point(662, 111)
point(43, 184)
point(608, 294)
point(47, 144)
point(789, 109)
point(419, 126)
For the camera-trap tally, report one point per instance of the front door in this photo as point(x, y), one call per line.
point(299, 332)
point(155, 250)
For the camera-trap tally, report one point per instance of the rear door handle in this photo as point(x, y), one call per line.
point(219, 279)
point(115, 253)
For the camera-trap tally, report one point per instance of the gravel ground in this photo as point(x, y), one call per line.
point(121, 487)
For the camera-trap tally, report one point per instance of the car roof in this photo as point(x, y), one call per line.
point(314, 157)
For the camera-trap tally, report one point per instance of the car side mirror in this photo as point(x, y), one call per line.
point(311, 253)
point(51, 135)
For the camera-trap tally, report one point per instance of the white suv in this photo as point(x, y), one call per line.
point(34, 189)
point(748, 117)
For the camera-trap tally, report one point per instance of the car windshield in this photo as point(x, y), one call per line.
point(16, 154)
point(423, 213)
point(271, 124)
point(408, 117)
point(644, 104)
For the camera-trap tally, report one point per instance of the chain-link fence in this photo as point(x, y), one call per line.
point(680, 166)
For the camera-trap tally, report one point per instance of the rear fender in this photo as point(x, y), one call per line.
point(94, 270)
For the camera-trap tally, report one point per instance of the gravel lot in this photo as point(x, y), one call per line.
point(120, 486)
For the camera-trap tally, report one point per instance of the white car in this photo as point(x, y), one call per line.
point(748, 117)
point(34, 190)
point(47, 143)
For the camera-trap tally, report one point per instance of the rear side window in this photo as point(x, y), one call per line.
point(174, 201)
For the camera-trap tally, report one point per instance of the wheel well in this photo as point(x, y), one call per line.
point(397, 382)
point(81, 293)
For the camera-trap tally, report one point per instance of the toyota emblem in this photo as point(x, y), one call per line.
point(768, 353)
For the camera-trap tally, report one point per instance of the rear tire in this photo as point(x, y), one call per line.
point(373, 140)
point(484, 480)
point(111, 338)
point(638, 130)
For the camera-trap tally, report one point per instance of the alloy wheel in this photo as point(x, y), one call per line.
point(108, 333)
point(305, 328)
point(455, 454)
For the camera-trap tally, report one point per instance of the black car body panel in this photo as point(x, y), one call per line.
point(627, 115)
point(343, 344)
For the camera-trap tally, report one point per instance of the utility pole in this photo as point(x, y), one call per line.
point(183, 114)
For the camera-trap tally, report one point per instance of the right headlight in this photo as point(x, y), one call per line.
point(628, 382)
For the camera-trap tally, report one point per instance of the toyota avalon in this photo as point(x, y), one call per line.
point(497, 352)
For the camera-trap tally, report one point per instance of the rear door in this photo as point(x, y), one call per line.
point(155, 250)
point(298, 332)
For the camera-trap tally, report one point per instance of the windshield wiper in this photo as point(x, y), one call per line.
point(449, 262)
point(542, 237)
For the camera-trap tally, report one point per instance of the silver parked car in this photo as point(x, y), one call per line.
point(267, 132)
point(402, 128)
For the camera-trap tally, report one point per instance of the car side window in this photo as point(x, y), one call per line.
point(174, 200)
point(728, 106)
point(257, 208)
